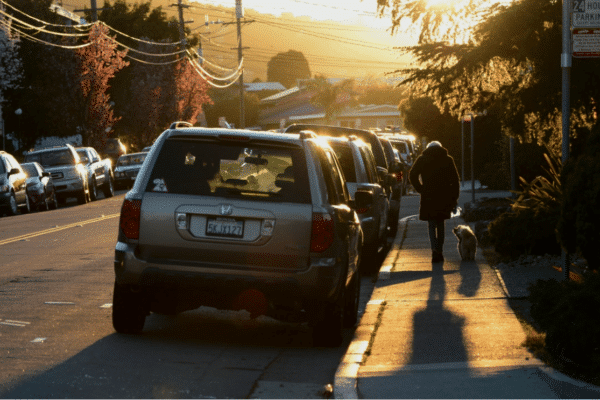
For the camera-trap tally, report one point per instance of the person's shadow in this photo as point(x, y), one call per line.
point(437, 332)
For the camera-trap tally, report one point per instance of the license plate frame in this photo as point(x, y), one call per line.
point(224, 227)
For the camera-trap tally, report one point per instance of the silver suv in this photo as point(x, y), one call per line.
point(360, 172)
point(237, 219)
point(68, 172)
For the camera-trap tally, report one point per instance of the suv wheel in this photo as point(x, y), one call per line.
point(54, 203)
point(328, 326)
point(352, 300)
point(93, 190)
point(12, 205)
point(83, 197)
point(109, 187)
point(129, 311)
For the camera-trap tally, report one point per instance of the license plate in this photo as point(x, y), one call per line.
point(225, 227)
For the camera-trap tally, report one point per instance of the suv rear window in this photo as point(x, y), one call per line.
point(261, 172)
point(51, 158)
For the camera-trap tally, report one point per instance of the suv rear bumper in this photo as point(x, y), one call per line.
point(315, 284)
point(68, 187)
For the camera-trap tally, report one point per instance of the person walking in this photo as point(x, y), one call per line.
point(435, 177)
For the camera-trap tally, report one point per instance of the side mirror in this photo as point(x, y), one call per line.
point(363, 199)
point(381, 172)
point(13, 171)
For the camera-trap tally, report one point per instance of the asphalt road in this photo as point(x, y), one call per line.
point(57, 340)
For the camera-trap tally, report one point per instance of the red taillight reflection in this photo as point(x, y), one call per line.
point(362, 210)
point(323, 231)
point(399, 176)
point(129, 221)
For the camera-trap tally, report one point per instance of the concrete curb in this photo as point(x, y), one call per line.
point(345, 385)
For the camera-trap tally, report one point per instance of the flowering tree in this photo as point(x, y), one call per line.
point(10, 66)
point(98, 64)
point(191, 92)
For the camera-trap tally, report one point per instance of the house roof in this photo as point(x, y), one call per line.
point(260, 86)
point(280, 95)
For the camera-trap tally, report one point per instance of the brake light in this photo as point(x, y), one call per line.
point(399, 176)
point(129, 222)
point(322, 232)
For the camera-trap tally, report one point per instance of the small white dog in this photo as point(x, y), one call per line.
point(467, 242)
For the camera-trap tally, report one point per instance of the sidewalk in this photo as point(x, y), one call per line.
point(445, 330)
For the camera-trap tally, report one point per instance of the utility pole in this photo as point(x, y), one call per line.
point(94, 10)
point(565, 64)
point(181, 6)
point(239, 13)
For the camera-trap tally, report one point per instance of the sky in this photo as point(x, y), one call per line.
point(345, 11)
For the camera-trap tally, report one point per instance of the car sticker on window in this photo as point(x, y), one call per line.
point(190, 159)
point(160, 185)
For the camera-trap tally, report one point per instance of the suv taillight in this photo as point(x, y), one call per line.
point(129, 222)
point(323, 231)
point(399, 176)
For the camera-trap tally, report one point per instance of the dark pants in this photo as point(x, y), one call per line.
point(436, 234)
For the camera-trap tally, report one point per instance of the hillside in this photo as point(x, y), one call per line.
point(332, 49)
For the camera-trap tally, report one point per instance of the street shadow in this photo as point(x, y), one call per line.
point(198, 354)
point(437, 332)
point(470, 278)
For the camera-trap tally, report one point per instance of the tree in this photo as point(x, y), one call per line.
point(10, 66)
point(226, 103)
point(98, 64)
point(505, 60)
point(286, 68)
point(380, 94)
point(333, 98)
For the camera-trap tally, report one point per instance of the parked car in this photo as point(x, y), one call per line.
point(113, 148)
point(13, 194)
point(360, 172)
point(403, 147)
point(395, 167)
point(40, 187)
point(100, 174)
point(284, 242)
point(69, 175)
point(386, 179)
point(127, 168)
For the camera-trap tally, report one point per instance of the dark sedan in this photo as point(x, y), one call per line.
point(127, 169)
point(40, 187)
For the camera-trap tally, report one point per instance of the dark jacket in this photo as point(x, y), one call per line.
point(439, 184)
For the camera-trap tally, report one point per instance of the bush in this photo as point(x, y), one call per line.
point(524, 231)
point(569, 313)
point(577, 227)
point(530, 226)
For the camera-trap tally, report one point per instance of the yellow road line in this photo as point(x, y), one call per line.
point(56, 229)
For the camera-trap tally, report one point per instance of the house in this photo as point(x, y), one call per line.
point(294, 106)
point(263, 89)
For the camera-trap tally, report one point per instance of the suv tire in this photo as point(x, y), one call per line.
point(109, 187)
point(352, 299)
point(129, 312)
point(93, 190)
point(328, 326)
point(83, 197)
point(12, 208)
point(26, 208)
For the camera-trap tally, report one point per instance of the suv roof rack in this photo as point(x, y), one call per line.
point(60, 146)
point(180, 124)
point(307, 135)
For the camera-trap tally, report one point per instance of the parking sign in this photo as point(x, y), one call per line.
point(586, 14)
